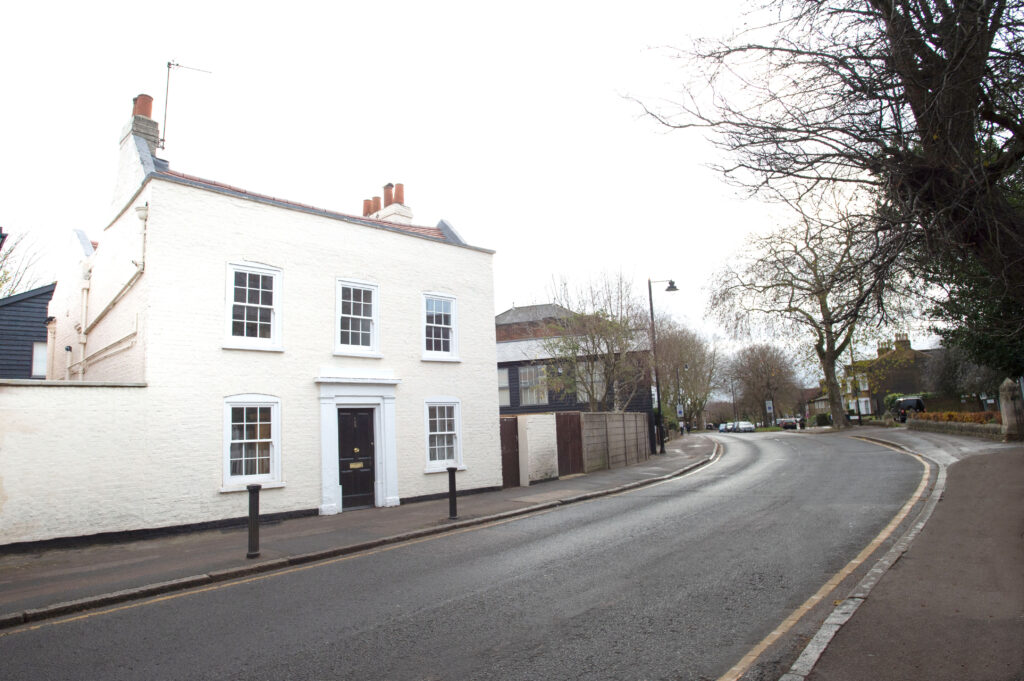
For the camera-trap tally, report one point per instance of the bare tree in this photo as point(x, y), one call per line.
point(600, 350)
point(16, 262)
point(689, 368)
point(917, 103)
point(808, 282)
point(764, 374)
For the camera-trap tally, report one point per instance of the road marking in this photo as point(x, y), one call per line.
point(716, 456)
point(741, 667)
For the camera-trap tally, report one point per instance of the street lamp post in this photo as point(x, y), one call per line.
point(659, 426)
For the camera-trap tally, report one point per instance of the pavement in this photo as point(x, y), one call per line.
point(948, 605)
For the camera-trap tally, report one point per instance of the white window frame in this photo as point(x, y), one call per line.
point(275, 342)
point(583, 390)
point(456, 404)
point(39, 357)
point(862, 382)
point(373, 350)
point(452, 355)
point(504, 391)
point(237, 483)
point(541, 383)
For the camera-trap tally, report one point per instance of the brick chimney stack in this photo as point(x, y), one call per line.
point(142, 123)
point(392, 209)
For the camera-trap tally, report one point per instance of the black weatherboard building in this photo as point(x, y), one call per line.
point(523, 362)
point(23, 333)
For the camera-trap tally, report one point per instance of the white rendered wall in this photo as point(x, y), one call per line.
point(151, 457)
point(193, 234)
point(91, 473)
point(538, 444)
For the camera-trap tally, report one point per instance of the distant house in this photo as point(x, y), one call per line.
point(896, 369)
point(23, 350)
point(524, 363)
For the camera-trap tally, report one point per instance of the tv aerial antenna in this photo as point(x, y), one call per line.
point(167, 92)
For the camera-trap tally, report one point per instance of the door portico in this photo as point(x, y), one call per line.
point(349, 391)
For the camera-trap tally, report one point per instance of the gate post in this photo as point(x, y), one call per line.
point(1012, 410)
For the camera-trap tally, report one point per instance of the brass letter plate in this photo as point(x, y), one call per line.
point(356, 464)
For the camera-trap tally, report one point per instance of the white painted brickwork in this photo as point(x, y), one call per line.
point(538, 443)
point(123, 459)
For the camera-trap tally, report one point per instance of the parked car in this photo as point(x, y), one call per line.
point(787, 424)
point(723, 427)
point(745, 427)
point(906, 405)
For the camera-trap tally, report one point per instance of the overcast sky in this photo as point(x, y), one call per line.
point(508, 121)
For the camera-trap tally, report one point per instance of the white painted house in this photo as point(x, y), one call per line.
point(218, 338)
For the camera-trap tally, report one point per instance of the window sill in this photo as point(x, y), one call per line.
point(355, 353)
point(228, 489)
point(431, 470)
point(441, 358)
point(228, 345)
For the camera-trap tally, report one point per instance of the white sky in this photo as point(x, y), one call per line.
point(509, 122)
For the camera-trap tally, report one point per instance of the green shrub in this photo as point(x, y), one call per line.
point(821, 419)
point(960, 416)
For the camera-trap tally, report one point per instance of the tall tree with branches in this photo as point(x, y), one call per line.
point(807, 282)
point(764, 373)
point(917, 103)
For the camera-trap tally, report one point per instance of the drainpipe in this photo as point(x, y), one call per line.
point(80, 327)
point(142, 212)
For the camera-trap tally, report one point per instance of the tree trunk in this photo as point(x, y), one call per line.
point(835, 397)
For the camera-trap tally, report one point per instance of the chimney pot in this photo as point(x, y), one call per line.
point(367, 207)
point(400, 193)
point(389, 196)
point(142, 106)
point(376, 204)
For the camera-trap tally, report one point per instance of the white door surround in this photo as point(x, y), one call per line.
point(345, 390)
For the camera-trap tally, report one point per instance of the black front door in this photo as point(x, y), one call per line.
point(355, 457)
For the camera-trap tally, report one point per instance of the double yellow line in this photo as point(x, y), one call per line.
point(741, 667)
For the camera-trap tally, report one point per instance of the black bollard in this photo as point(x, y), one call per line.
point(254, 521)
point(453, 511)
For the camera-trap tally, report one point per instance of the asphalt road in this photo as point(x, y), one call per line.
point(674, 581)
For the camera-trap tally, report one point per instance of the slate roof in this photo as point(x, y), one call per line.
point(159, 168)
point(532, 313)
point(19, 297)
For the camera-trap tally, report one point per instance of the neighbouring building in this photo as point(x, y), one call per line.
point(897, 368)
point(218, 338)
point(23, 349)
point(524, 361)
